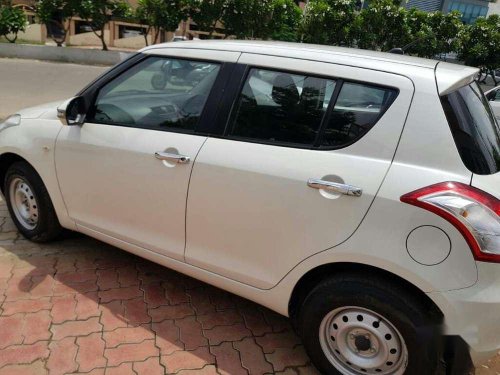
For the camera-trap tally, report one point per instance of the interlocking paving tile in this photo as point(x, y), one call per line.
point(79, 306)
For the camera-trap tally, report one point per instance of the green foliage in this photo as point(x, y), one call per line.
point(99, 12)
point(206, 13)
point(285, 21)
point(12, 21)
point(433, 33)
point(160, 15)
point(248, 19)
point(64, 9)
point(329, 22)
point(480, 43)
point(382, 26)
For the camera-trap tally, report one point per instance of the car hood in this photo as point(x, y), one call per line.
point(46, 110)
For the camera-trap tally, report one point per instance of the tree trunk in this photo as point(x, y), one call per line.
point(101, 37)
point(157, 34)
point(61, 41)
point(104, 46)
point(11, 40)
point(146, 35)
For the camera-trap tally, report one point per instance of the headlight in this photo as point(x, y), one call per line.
point(13, 120)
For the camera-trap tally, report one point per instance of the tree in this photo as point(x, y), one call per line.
point(55, 14)
point(382, 26)
point(329, 22)
point(160, 15)
point(433, 33)
point(99, 12)
point(480, 44)
point(12, 21)
point(285, 20)
point(248, 19)
point(207, 13)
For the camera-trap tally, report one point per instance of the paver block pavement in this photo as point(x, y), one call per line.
point(79, 306)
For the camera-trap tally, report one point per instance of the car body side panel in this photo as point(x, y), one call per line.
point(472, 313)
point(427, 140)
point(34, 140)
point(250, 214)
point(487, 183)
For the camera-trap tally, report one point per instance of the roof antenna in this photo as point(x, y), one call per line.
point(397, 51)
point(401, 51)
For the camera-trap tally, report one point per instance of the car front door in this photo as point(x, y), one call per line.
point(125, 172)
point(296, 168)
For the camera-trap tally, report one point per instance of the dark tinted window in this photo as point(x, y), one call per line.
point(474, 128)
point(357, 109)
point(281, 107)
point(158, 93)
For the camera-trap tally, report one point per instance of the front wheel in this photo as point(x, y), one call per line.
point(29, 203)
point(352, 325)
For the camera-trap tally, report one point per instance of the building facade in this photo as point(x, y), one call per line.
point(470, 9)
point(117, 33)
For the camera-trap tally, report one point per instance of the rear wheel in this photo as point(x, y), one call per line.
point(29, 203)
point(353, 326)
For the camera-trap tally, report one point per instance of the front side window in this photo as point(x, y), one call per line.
point(281, 107)
point(474, 128)
point(158, 93)
point(356, 110)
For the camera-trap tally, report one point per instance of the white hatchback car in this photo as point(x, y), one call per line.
point(493, 96)
point(356, 192)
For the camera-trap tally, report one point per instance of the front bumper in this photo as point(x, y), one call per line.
point(473, 313)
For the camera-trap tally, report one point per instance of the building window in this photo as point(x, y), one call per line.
point(470, 12)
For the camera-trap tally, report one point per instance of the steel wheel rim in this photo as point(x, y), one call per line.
point(24, 203)
point(359, 341)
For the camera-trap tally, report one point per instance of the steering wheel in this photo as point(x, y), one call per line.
point(193, 106)
point(113, 113)
point(161, 114)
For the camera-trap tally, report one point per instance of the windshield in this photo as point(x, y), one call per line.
point(474, 128)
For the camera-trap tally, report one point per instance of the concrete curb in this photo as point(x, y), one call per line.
point(62, 54)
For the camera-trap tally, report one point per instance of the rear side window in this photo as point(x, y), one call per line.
point(474, 128)
point(357, 109)
point(306, 111)
point(281, 107)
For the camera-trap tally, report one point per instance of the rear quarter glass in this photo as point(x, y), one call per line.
point(474, 128)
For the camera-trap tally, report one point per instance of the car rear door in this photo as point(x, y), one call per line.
point(125, 172)
point(294, 167)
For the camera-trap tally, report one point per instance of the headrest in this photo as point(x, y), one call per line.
point(285, 92)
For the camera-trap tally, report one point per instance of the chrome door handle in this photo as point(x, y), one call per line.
point(180, 159)
point(335, 187)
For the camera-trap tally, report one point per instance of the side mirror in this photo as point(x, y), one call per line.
point(72, 111)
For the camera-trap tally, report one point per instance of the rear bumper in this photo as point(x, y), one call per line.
point(473, 314)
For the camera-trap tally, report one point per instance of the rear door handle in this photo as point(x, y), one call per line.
point(179, 159)
point(335, 187)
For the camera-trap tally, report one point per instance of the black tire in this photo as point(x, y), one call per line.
point(47, 227)
point(418, 325)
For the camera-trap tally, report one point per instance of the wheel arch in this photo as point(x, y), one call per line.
point(314, 276)
point(6, 160)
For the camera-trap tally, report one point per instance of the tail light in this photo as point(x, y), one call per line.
point(472, 211)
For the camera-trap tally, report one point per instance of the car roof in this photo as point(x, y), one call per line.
point(287, 49)
point(447, 76)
